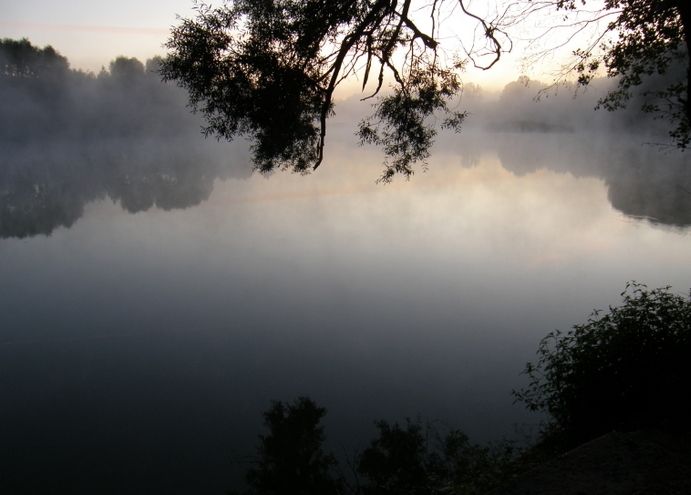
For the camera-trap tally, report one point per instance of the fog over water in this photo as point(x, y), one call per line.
point(156, 295)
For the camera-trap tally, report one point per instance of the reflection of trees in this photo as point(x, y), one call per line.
point(658, 190)
point(44, 187)
point(642, 180)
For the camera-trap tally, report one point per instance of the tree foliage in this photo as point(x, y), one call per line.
point(624, 369)
point(396, 461)
point(630, 41)
point(413, 460)
point(268, 70)
point(19, 59)
point(652, 38)
point(401, 460)
point(291, 458)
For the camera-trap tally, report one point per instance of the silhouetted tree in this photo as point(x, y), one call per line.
point(126, 69)
point(631, 40)
point(291, 458)
point(396, 462)
point(268, 70)
point(154, 64)
point(653, 37)
point(19, 59)
point(413, 460)
point(407, 460)
point(625, 369)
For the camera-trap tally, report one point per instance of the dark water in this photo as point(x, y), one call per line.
point(156, 296)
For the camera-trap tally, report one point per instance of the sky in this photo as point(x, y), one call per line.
point(92, 33)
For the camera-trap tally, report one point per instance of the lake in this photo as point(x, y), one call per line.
point(156, 295)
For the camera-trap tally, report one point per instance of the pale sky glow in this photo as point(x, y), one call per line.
point(92, 33)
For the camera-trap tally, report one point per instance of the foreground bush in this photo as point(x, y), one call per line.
point(625, 369)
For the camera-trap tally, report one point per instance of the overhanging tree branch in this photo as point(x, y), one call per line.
point(269, 70)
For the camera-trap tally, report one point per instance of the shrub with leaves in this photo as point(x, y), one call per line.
point(625, 369)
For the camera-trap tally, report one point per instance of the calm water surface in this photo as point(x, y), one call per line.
point(155, 297)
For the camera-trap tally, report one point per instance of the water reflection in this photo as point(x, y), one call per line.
point(138, 351)
point(643, 181)
point(45, 187)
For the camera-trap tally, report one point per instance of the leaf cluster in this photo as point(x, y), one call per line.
point(400, 122)
point(248, 75)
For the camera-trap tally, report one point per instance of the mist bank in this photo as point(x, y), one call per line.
point(70, 138)
point(533, 106)
point(43, 98)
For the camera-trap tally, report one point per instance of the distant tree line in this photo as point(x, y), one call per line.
point(42, 98)
point(532, 106)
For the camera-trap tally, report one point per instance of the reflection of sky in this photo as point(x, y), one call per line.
point(162, 334)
